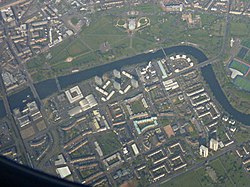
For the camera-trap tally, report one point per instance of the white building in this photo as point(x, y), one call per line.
point(63, 171)
point(74, 94)
point(98, 80)
point(117, 73)
point(203, 151)
point(135, 149)
point(213, 144)
point(134, 83)
point(117, 85)
point(88, 102)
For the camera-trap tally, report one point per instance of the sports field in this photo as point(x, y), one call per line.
point(242, 53)
point(247, 58)
point(239, 66)
point(246, 42)
point(242, 82)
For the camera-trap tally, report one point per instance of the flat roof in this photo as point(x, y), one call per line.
point(74, 94)
point(63, 171)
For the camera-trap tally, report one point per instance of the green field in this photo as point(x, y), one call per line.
point(108, 142)
point(239, 66)
point(164, 30)
point(243, 83)
point(239, 29)
point(247, 57)
point(74, 20)
point(227, 168)
point(137, 107)
point(246, 42)
point(218, 29)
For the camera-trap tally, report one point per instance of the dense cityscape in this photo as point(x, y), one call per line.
point(127, 92)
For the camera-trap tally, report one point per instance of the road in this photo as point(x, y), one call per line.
point(23, 68)
point(17, 138)
point(197, 66)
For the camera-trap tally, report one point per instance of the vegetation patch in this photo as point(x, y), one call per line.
point(108, 142)
point(242, 83)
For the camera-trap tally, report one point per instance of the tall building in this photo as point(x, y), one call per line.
point(213, 144)
point(117, 73)
point(134, 83)
point(98, 80)
point(117, 85)
point(203, 151)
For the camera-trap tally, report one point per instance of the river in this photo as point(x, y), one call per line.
point(48, 87)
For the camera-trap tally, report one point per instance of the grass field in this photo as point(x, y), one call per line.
point(239, 29)
point(108, 142)
point(164, 30)
point(137, 107)
point(239, 66)
point(74, 20)
point(246, 42)
point(243, 83)
point(218, 29)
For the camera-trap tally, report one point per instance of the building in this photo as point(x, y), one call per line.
point(134, 83)
point(203, 151)
point(74, 111)
point(117, 85)
point(135, 149)
point(145, 124)
point(169, 131)
point(117, 73)
point(60, 160)
point(74, 94)
point(63, 172)
point(171, 7)
point(213, 144)
point(88, 102)
point(98, 80)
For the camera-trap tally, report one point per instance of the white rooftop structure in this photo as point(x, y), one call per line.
point(74, 94)
point(60, 160)
point(213, 144)
point(63, 171)
point(135, 149)
point(88, 102)
point(132, 24)
point(74, 111)
point(203, 151)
